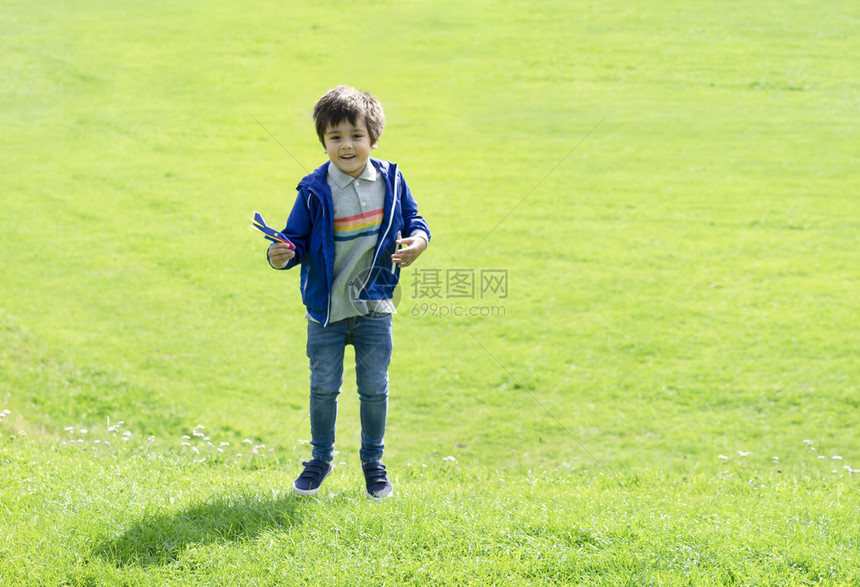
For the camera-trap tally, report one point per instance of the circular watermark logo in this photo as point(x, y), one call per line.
point(375, 290)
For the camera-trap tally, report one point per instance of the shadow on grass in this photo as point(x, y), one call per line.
point(160, 539)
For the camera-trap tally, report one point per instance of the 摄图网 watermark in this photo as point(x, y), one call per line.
point(459, 284)
point(438, 293)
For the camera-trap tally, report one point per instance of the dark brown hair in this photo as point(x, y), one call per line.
point(347, 103)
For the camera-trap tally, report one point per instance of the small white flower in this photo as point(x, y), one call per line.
point(743, 454)
point(84, 430)
point(97, 441)
point(821, 457)
point(723, 457)
point(449, 458)
point(220, 449)
point(194, 448)
point(807, 442)
point(247, 441)
point(836, 458)
point(186, 437)
point(69, 429)
point(224, 444)
point(151, 439)
point(238, 454)
point(127, 433)
point(184, 444)
point(775, 459)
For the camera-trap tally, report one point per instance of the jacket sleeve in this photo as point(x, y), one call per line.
point(412, 221)
point(298, 228)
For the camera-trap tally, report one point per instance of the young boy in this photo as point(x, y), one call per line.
point(349, 218)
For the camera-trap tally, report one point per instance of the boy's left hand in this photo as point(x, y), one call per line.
point(412, 247)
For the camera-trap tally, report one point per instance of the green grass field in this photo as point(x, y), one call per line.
point(666, 392)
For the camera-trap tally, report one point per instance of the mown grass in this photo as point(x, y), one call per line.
point(96, 515)
point(682, 286)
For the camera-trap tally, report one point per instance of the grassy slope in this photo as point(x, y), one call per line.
point(130, 516)
point(681, 286)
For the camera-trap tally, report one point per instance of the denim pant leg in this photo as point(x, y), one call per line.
point(372, 339)
point(325, 350)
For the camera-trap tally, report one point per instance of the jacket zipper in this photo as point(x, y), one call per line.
point(390, 220)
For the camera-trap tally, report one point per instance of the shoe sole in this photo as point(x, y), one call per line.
point(305, 492)
point(387, 492)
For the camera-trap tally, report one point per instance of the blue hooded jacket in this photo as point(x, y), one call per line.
point(311, 229)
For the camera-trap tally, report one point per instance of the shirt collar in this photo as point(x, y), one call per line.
point(342, 179)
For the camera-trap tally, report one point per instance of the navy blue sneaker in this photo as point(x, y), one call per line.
point(378, 485)
point(308, 483)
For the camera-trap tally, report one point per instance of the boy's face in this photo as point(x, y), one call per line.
point(348, 146)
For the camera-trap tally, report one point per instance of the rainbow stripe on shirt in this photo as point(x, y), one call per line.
point(352, 227)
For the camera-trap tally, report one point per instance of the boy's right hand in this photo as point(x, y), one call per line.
point(280, 254)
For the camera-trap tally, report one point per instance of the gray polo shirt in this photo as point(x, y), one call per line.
point(358, 211)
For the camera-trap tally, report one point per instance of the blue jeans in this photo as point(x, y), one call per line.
point(371, 336)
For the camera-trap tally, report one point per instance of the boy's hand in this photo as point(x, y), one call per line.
point(280, 254)
point(412, 247)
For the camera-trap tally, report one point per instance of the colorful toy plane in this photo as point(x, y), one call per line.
point(258, 224)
